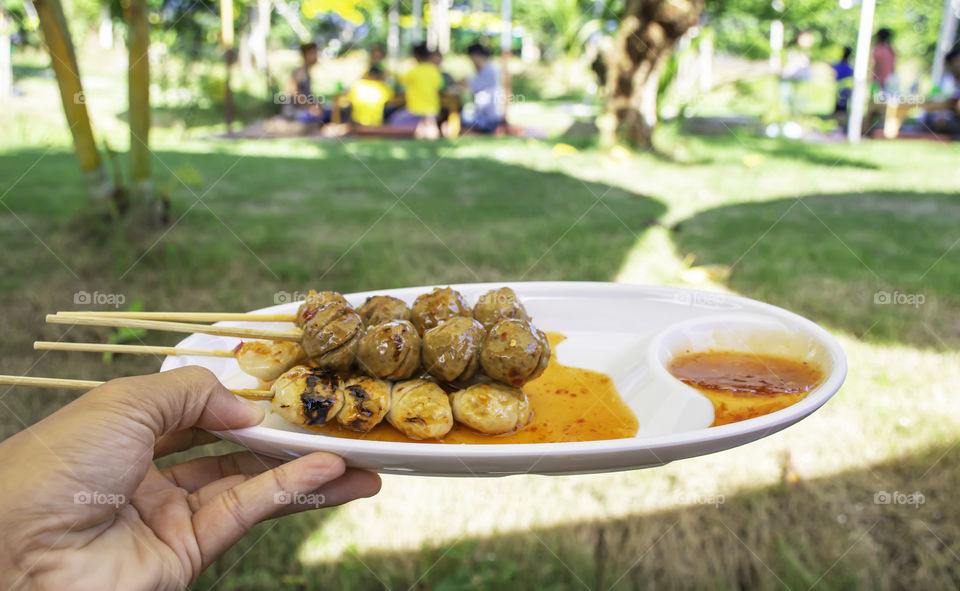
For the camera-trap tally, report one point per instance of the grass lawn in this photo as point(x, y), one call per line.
point(823, 230)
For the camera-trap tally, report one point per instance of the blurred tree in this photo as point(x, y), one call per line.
point(563, 26)
point(6, 63)
point(648, 31)
point(63, 59)
point(138, 84)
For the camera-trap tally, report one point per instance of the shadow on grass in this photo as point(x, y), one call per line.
point(837, 532)
point(351, 217)
point(880, 265)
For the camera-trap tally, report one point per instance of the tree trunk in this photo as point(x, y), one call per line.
point(63, 60)
point(6, 65)
point(647, 34)
point(138, 81)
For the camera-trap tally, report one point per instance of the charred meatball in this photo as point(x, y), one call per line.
point(306, 396)
point(313, 302)
point(430, 309)
point(491, 408)
point(451, 351)
point(420, 410)
point(497, 305)
point(390, 350)
point(365, 402)
point(514, 352)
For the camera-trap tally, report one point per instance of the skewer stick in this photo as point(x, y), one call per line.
point(292, 334)
point(90, 384)
point(187, 316)
point(134, 349)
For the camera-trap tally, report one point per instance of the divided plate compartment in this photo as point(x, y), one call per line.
point(631, 333)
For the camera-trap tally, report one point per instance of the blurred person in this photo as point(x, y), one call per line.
point(377, 55)
point(943, 114)
point(884, 60)
point(843, 74)
point(437, 59)
point(85, 507)
point(796, 70)
point(487, 89)
point(422, 84)
point(368, 97)
point(302, 105)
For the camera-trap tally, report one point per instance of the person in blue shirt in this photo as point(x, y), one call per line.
point(843, 73)
point(488, 95)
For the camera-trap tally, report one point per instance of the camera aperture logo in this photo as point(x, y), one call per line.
point(883, 298)
point(85, 298)
point(896, 497)
point(285, 297)
point(303, 499)
point(95, 497)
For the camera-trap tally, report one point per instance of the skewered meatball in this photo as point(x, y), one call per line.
point(420, 410)
point(365, 402)
point(307, 396)
point(331, 335)
point(514, 352)
point(497, 305)
point(451, 351)
point(266, 360)
point(313, 302)
point(390, 350)
point(430, 309)
point(491, 408)
point(380, 309)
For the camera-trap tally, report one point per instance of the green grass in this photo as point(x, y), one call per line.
point(819, 229)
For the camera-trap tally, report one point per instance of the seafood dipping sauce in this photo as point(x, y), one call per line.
point(746, 385)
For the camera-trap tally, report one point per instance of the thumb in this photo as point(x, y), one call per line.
point(173, 400)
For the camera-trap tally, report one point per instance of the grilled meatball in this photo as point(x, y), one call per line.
point(266, 360)
point(420, 410)
point(307, 396)
point(331, 335)
point(497, 305)
point(313, 302)
point(491, 408)
point(514, 352)
point(390, 350)
point(451, 351)
point(365, 402)
point(430, 309)
point(380, 309)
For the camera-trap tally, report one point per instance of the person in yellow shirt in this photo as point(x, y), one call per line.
point(422, 84)
point(368, 97)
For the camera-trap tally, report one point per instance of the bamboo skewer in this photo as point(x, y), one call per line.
point(186, 316)
point(134, 349)
point(292, 334)
point(68, 384)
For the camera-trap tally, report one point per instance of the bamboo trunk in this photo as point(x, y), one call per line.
point(138, 79)
point(63, 60)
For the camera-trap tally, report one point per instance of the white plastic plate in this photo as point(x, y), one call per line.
point(629, 332)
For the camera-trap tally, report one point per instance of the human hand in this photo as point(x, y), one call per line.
point(82, 505)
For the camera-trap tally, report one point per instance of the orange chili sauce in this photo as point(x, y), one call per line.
point(569, 404)
point(742, 385)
